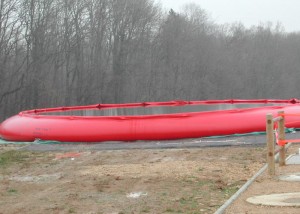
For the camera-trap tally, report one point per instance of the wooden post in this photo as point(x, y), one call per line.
point(281, 136)
point(270, 144)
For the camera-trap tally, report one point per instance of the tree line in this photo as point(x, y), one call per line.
point(79, 52)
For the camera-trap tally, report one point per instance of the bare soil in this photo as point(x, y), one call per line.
point(127, 181)
point(266, 185)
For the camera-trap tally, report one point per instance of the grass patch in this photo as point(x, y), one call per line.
point(102, 184)
point(12, 191)
point(13, 156)
point(170, 210)
point(188, 204)
point(71, 210)
point(208, 183)
point(200, 169)
point(146, 210)
point(230, 190)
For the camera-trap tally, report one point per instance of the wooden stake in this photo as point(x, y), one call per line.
point(270, 145)
point(281, 136)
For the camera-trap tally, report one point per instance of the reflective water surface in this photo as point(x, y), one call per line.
point(155, 110)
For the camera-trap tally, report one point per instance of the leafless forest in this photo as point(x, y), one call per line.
point(75, 52)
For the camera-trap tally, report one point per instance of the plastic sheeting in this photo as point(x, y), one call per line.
point(31, 125)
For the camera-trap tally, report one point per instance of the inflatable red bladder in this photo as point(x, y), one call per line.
point(44, 124)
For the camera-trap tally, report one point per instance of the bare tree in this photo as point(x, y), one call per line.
point(11, 80)
point(72, 52)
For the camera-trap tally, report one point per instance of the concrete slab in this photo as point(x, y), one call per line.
point(283, 200)
point(292, 177)
point(293, 159)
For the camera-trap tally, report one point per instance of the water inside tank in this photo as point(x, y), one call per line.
point(155, 110)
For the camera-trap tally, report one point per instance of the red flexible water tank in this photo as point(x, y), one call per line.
point(36, 124)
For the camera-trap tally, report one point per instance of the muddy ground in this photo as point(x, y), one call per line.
point(196, 180)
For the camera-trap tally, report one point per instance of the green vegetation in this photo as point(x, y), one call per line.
point(12, 191)
point(208, 183)
point(71, 210)
point(146, 210)
point(231, 189)
point(200, 169)
point(13, 156)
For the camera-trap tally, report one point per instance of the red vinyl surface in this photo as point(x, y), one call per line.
point(31, 125)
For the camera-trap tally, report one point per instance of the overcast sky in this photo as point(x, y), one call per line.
point(249, 12)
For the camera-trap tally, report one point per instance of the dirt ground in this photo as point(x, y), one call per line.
point(197, 180)
point(266, 185)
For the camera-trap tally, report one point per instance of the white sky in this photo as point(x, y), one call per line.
point(248, 12)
